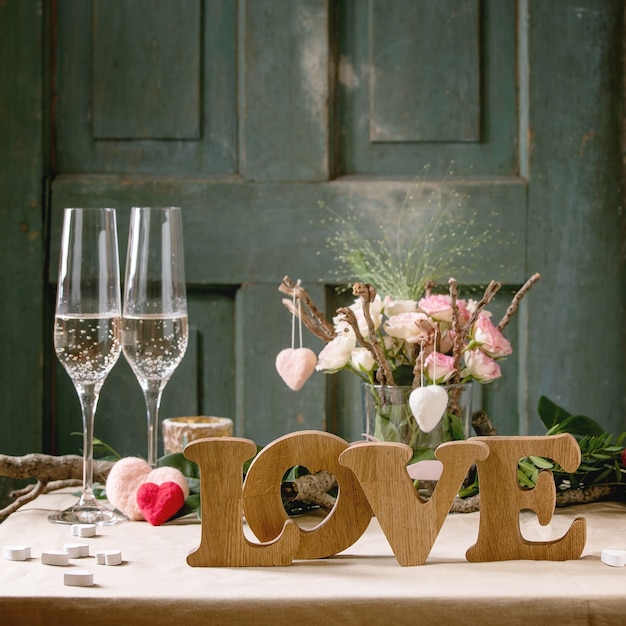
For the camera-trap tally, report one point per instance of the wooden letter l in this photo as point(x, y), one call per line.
point(223, 543)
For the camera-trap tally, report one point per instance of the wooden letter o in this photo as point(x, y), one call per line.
point(262, 501)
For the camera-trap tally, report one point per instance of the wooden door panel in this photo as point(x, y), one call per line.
point(146, 87)
point(412, 43)
point(308, 106)
point(427, 83)
point(146, 81)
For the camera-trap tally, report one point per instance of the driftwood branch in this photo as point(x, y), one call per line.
point(50, 473)
point(306, 310)
point(516, 300)
point(313, 488)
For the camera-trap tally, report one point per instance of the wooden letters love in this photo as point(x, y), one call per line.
point(373, 480)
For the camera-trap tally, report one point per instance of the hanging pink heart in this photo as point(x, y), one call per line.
point(160, 502)
point(428, 404)
point(295, 366)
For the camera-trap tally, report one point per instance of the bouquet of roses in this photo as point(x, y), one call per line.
point(437, 339)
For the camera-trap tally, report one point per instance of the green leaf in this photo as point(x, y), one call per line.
point(551, 413)
point(580, 425)
point(540, 462)
point(180, 462)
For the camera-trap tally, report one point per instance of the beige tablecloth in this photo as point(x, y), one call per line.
point(362, 585)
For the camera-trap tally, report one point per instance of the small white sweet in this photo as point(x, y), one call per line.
point(614, 558)
point(109, 557)
point(76, 550)
point(78, 578)
point(83, 530)
point(16, 553)
point(55, 557)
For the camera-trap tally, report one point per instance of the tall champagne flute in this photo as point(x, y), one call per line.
point(155, 330)
point(88, 332)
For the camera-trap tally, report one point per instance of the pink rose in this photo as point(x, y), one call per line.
point(405, 326)
point(439, 367)
point(481, 367)
point(491, 340)
point(439, 307)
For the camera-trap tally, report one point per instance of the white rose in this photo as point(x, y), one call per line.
point(336, 353)
point(362, 360)
point(394, 307)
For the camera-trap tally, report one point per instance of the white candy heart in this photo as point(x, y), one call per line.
point(428, 405)
point(295, 366)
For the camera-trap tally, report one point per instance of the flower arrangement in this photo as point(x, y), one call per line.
point(438, 339)
point(413, 356)
point(402, 331)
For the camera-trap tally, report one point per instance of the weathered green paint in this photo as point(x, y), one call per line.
point(214, 153)
point(22, 234)
point(285, 127)
point(495, 31)
point(431, 51)
point(132, 68)
point(576, 225)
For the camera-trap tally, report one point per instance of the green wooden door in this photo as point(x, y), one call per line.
point(256, 116)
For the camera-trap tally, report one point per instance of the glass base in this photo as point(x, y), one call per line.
point(88, 514)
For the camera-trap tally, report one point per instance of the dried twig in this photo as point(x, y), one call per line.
point(459, 335)
point(310, 315)
point(516, 300)
point(367, 294)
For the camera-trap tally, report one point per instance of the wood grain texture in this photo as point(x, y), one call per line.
point(222, 542)
point(316, 451)
point(410, 524)
point(502, 499)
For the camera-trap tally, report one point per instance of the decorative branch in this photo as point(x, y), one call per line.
point(492, 288)
point(49, 472)
point(459, 335)
point(310, 315)
point(516, 300)
point(367, 293)
point(313, 488)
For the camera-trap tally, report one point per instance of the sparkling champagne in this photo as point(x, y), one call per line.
point(154, 345)
point(87, 345)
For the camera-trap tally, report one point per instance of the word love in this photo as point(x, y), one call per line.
point(373, 480)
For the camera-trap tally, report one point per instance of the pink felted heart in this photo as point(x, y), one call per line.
point(428, 405)
point(125, 477)
point(158, 503)
point(295, 366)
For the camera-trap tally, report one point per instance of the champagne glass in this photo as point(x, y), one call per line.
point(154, 318)
point(88, 332)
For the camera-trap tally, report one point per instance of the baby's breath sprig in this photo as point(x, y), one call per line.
point(428, 237)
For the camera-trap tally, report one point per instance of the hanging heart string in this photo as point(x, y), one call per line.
point(295, 365)
point(428, 403)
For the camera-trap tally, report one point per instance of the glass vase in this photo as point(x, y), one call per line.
point(387, 416)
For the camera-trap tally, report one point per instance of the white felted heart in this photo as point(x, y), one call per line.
point(295, 366)
point(428, 405)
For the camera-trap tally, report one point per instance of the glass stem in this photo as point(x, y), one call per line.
point(152, 391)
point(88, 395)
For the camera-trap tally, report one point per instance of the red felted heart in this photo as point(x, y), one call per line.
point(160, 502)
